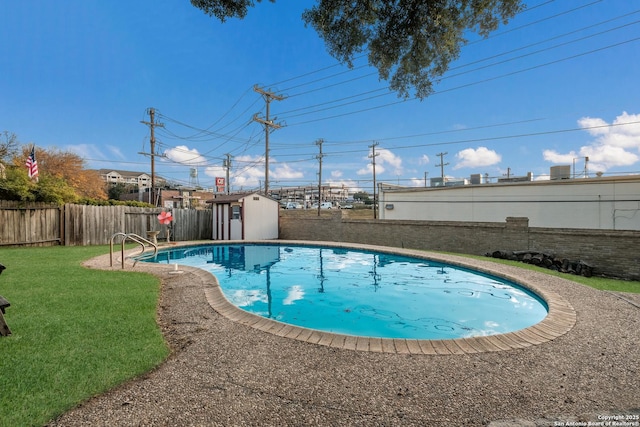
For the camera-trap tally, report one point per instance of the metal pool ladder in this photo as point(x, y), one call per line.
point(135, 238)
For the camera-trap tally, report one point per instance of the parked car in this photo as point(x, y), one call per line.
point(293, 205)
point(323, 205)
point(347, 206)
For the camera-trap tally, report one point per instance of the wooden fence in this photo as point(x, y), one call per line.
point(35, 224)
point(82, 225)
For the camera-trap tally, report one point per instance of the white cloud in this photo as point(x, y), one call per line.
point(624, 132)
point(336, 174)
point(250, 178)
point(555, 157)
point(482, 156)
point(424, 160)
point(215, 171)
point(116, 151)
point(284, 171)
point(85, 151)
point(368, 169)
point(248, 172)
point(353, 186)
point(384, 159)
point(416, 182)
point(185, 156)
point(613, 145)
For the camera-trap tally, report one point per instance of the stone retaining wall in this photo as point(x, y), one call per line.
point(611, 253)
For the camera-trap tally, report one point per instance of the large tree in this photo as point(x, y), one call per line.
point(62, 178)
point(68, 167)
point(410, 42)
point(9, 146)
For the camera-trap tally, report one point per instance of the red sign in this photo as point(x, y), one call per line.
point(220, 185)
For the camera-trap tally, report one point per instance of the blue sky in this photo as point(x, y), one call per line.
point(557, 84)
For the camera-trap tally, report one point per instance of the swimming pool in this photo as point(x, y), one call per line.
point(363, 293)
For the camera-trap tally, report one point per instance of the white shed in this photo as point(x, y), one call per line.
point(247, 216)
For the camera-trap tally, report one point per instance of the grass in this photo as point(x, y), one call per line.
point(75, 332)
point(601, 283)
point(79, 332)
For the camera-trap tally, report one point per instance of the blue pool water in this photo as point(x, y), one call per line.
point(363, 293)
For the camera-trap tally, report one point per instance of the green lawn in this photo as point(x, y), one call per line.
point(601, 283)
point(76, 332)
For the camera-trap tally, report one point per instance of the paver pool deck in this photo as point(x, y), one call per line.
point(232, 368)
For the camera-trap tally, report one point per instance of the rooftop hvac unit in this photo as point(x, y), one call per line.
point(438, 182)
point(560, 172)
point(477, 178)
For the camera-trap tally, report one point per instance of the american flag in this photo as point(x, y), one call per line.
point(32, 164)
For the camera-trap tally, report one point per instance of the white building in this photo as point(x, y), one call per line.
point(605, 203)
point(139, 179)
point(250, 216)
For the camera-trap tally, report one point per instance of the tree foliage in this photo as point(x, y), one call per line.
point(223, 9)
point(410, 42)
point(62, 177)
point(9, 146)
point(68, 168)
point(116, 190)
point(361, 196)
point(48, 188)
point(15, 185)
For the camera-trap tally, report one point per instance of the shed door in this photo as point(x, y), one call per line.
point(221, 222)
point(235, 224)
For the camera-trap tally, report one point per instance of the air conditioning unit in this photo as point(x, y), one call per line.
point(560, 172)
point(477, 178)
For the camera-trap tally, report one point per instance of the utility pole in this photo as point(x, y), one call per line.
point(442, 165)
point(319, 157)
point(227, 165)
point(268, 124)
point(586, 170)
point(425, 178)
point(373, 156)
point(152, 142)
point(508, 173)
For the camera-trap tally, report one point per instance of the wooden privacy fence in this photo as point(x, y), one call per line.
point(83, 225)
point(36, 224)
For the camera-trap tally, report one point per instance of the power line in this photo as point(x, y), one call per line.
point(369, 98)
point(320, 70)
point(249, 143)
point(511, 30)
point(471, 43)
point(450, 76)
point(544, 41)
point(462, 86)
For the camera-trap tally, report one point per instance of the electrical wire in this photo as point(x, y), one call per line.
point(304, 157)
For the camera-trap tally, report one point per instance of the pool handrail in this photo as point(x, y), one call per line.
point(134, 237)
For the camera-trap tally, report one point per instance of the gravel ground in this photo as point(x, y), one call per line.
point(222, 373)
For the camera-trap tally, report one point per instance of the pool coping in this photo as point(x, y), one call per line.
point(561, 317)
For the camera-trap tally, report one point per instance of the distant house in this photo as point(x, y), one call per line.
point(603, 203)
point(178, 198)
point(139, 179)
point(249, 216)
